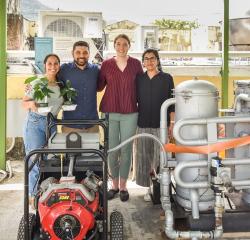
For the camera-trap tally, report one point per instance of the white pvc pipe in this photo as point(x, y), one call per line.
point(4, 175)
point(12, 145)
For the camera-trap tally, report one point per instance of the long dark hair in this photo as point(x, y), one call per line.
point(156, 53)
point(59, 83)
point(51, 55)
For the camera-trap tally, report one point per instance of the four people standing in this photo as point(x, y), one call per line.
point(128, 91)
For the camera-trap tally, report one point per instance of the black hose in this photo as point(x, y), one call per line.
point(93, 234)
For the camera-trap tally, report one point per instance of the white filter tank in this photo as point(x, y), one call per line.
point(195, 99)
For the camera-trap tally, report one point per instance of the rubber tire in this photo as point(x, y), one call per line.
point(116, 226)
point(32, 224)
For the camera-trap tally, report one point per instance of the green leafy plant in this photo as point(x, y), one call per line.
point(41, 90)
point(30, 79)
point(175, 24)
point(68, 93)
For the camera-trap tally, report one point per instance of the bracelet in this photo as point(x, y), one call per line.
point(171, 121)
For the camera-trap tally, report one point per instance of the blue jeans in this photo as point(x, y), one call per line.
point(34, 137)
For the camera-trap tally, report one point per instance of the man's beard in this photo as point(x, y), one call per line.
point(81, 63)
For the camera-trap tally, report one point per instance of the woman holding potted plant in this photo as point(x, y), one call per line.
point(46, 92)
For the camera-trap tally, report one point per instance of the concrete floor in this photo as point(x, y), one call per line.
point(141, 218)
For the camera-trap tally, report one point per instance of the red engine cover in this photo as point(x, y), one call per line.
point(67, 211)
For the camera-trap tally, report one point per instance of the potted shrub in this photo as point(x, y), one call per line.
point(41, 93)
point(68, 93)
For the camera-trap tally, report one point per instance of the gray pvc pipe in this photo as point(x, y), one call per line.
point(165, 199)
point(235, 161)
point(214, 234)
point(202, 163)
point(203, 121)
point(240, 97)
point(194, 197)
point(189, 164)
point(164, 119)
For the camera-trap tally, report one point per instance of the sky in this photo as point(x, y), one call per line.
point(207, 12)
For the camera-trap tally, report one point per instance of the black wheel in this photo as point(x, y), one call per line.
point(32, 225)
point(116, 226)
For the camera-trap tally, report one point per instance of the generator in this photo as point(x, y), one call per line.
point(71, 202)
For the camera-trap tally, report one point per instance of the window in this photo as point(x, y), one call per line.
point(63, 28)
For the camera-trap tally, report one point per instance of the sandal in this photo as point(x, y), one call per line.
point(111, 193)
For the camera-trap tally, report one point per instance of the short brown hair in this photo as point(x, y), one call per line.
point(124, 36)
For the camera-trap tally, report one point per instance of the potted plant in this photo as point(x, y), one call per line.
point(68, 93)
point(41, 92)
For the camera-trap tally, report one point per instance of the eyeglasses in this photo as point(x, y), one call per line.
point(149, 59)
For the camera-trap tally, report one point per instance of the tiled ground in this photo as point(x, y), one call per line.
point(141, 219)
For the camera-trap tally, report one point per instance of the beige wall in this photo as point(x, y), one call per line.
point(15, 85)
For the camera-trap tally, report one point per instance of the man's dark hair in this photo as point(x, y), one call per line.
point(81, 44)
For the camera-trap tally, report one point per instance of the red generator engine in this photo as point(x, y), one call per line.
point(68, 209)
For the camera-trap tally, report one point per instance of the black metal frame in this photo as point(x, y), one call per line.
point(101, 153)
point(233, 220)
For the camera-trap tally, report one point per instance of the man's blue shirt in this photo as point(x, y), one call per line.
point(85, 83)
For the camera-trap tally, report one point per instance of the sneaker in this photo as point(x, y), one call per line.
point(147, 197)
point(111, 193)
point(124, 195)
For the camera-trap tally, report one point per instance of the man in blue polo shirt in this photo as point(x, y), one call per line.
point(83, 77)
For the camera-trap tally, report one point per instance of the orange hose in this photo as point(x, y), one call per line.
point(206, 149)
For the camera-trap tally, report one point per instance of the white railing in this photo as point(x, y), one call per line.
point(205, 54)
point(170, 54)
point(182, 63)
